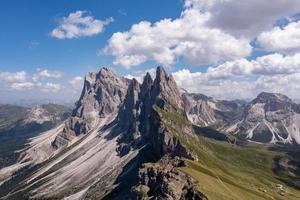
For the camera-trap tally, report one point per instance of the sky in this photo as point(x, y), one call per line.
point(228, 49)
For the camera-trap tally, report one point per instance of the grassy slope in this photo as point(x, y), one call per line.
point(225, 171)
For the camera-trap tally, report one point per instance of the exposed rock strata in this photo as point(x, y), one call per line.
point(163, 180)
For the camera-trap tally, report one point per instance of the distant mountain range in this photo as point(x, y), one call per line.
point(17, 124)
point(269, 118)
point(131, 140)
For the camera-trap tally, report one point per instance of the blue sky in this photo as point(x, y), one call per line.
point(227, 50)
point(26, 44)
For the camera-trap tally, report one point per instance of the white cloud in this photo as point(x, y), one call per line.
point(76, 82)
point(13, 76)
point(22, 86)
point(51, 87)
point(207, 32)
point(246, 17)
point(41, 74)
point(165, 41)
point(219, 88)
point(273, 64)
point(77, 25)
point(286, 39)
point(244, 79)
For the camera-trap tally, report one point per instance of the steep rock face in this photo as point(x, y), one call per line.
point(165, 97)
point(130, 109)
point(128, 118)
point(163, 181)
point(144, 122)
point(165, 92)
point(115, 126)
point(101, 96)
point(140, 118)
point(206, 111)
point(166, 130)
point(271, 118)
point(102, 93)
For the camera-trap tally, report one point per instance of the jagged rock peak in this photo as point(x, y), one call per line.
point(161, 73)
point(90, 77)
point(103, 92)
point(101, 97)
point(128, 117)
point(134, 84)
point(132, 97)
point(165, 91)
point(108, 72)
point(148, 79)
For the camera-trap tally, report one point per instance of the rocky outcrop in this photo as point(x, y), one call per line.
point(166, 130)
point(101, 95)
point(163, 181)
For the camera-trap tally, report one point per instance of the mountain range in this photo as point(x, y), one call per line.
point(17, 124)
point(131, 140)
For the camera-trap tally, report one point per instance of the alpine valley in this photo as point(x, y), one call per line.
point(130, 140)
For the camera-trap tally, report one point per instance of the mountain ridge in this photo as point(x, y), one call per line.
point(124, 139)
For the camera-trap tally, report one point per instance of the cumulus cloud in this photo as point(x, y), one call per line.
point(13, 76)
point(76, 82)
point(246, 17)
point(50, 87)
point(198, 82)
point(22, 86)
point(41, 74)
point(273, 64)
point(42, 85)
point(286, 39)
point(15, 81)
point(78, 24)
point(188, 37)
point(244, 79)
point(206, 32)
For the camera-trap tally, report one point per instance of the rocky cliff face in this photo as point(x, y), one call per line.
point(165, 93)
point(143, 124)
point(206, 111)
point(119, 124)
point(162, 180)
point(164, 97)
point(101, 96)
point(271, 118)
point(116, 125)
